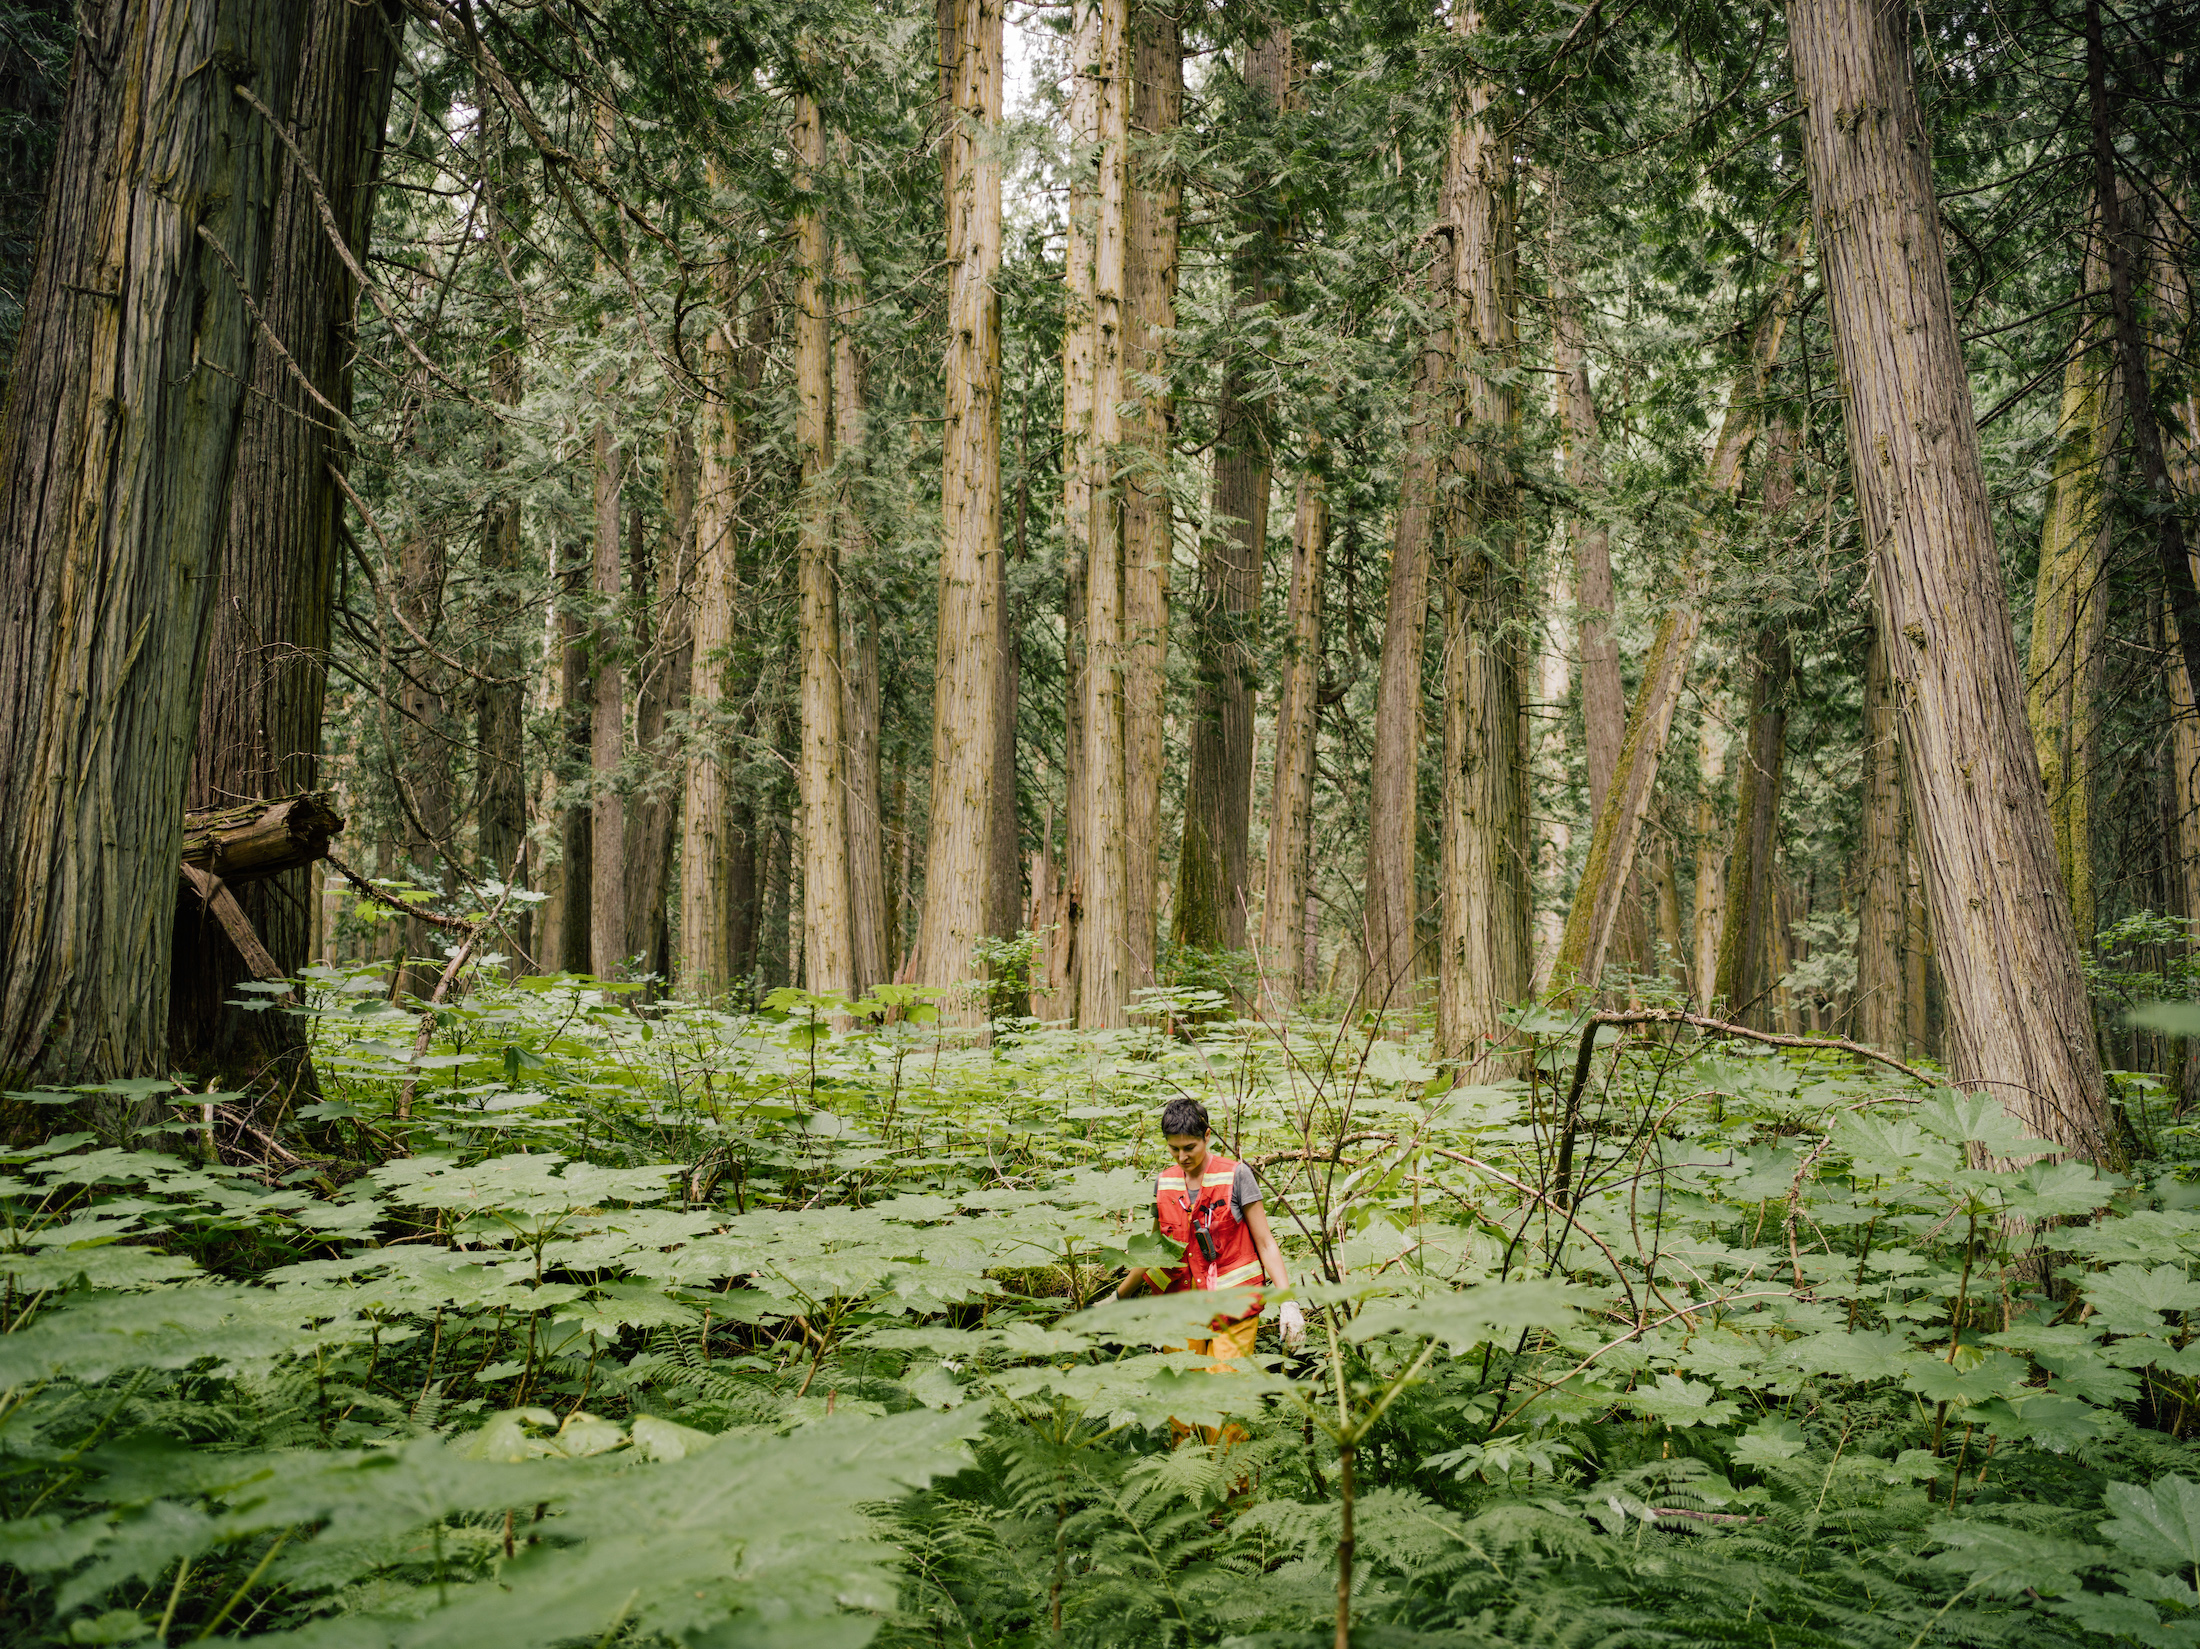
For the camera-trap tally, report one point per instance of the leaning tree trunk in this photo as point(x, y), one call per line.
point(825, 951)
point(958, 840)
point(1092, 518)
point(2019, 1025)
point(259, 729)
point(1212, 862)
point(1608, 873)
point(1156, 193)
point(1291, 812)
point(115, 459)
point(1483, 959)
point(2069, 609)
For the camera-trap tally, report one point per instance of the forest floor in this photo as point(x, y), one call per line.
point(697, 1326)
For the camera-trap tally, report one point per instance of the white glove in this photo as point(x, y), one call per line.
point(1292, 1321)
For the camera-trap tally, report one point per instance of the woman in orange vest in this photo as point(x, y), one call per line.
point(1212, 1205)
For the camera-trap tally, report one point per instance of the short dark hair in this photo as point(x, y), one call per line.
point(1184, 1116)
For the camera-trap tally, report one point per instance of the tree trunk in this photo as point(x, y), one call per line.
point(2122, 249)
point(501, 715)
point(1711, 843)
point(566, 945)
point(1291, 813)
point(421, 778)
point(2018, 1019)
point(1391, 908)
point(1880, 1016)
point(2069, 609)
point(717, 845)
point(1092, 519)
point(259, 727)
point(1156, 195)
point(1483, 962)
point(958, 841)
point(869, 963)
point(827, 960)
point(1745, 943)
point(115, 460)
point(1604, 900)
point(663, 701)
point(1212, 873)
point(607, 922)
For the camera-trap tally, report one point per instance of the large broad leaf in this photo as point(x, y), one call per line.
point(2169, 1018)
point(1468, 1316)
point(1161, 1319)
point(1961, 1118)
point(2159, 1526)
point(751, 1539)
point(2130, 1299)
point(1865, 1355)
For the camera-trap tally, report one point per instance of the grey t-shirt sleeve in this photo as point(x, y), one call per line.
point(1244, 1190)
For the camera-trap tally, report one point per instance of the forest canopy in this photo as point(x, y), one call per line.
point(668, 663)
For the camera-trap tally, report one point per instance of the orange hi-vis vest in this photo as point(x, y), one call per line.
point(1180, 1209)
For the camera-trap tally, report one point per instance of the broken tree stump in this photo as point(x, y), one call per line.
point(249, 841)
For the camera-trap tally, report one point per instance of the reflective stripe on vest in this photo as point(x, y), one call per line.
point(1236, 1262)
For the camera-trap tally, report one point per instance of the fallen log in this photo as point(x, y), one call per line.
point(252, 840)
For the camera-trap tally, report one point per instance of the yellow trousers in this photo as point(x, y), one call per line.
point(1234, 1341)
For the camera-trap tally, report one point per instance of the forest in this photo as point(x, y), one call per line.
point(667, 665)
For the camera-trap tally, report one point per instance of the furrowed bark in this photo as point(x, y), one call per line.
point(868, 961)
point(115, 461)
point(2019, 1022)
point(958, 840)
point(259, 724)
point(1156, 194)
point(1212, 861)
point(2069, 606)
point(663, 699)
point(1880, 1015)
point(1289, 877)
point(717, 919)
point(607, 923)
point(1745, 931)
point(1092, 501)
point(1483, 962)
point(826, 957)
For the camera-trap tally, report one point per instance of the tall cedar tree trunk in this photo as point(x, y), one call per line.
point(607, 926)
point(2019, 1024)
point(1486, 865)
point(1212, 861)
point(115, 459)
point(1092, 516)
point(501, 704)
point(958, 840)
point(2173, 308)
point(2122, 247)
point(566, 945)
point(663, 699)
point(1608, 873)
point(1603, 698)
point(2069, 606)
point(1880, 1017)
point(1391, 907)
point(716, 844)
point(1289, 878)
point(259, 731)
point(1745, 943)
point(1710, 900)
point(1156, 196)
point(868, 961)
point(826, 958)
